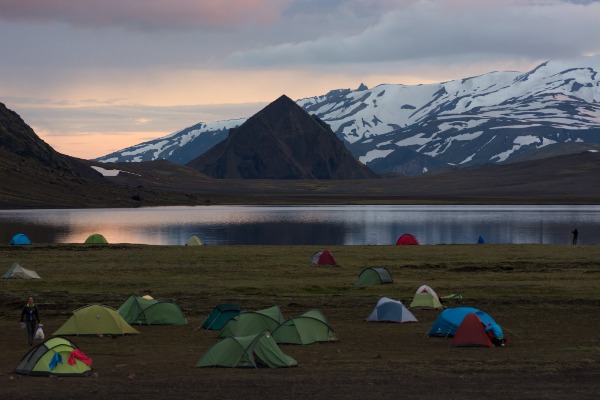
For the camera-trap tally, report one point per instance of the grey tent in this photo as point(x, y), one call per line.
point(18, 272)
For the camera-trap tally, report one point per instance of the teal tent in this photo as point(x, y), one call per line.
point(220, 315)
point(253, 351)
point(149, 311)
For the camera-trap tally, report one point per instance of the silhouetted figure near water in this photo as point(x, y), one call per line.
point(575, 234)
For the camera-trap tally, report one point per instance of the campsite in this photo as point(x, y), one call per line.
point(545, 297)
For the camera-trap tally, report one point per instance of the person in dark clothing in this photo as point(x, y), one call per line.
point(575, 234)
point(30, 316)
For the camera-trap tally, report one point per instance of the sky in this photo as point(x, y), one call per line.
point(92, 77)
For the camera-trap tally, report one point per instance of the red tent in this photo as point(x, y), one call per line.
point(323, 258)
point(407, 238)
point(471, 333)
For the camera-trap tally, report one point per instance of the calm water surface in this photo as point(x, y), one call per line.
point(308, 225)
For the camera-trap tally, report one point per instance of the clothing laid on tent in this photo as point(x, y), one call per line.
point(56, 356)
point(471, 333)
point(449, 320)
point(388, 310)
point(253, 351)
point(220, 315)
point(310, 327)
point(253, 322)
point(374, 276)
point(407, 239)
point(18, 272)
point(96, 238)
point(194, 241)
point(426, 298)
point(139, 310)
point(323, 258)
point(95, 319)
point(20, 239)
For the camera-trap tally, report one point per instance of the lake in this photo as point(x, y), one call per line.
point(309, 225)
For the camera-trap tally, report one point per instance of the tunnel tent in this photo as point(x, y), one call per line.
point(56, 356)
point(18, 272)
point(389, 310)
point(20, 239)
point(374, 276)
point(194, 241)
point(323, 258)
point(96, 238)
point(252, 351)
point(143, 311)
point(253, 322)
point(95, 319)
point(310, 327)
point(407, 239)
point(220, 315)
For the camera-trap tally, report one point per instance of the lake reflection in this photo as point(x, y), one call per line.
point(308, 225)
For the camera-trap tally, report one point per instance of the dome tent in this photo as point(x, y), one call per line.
point(426, 298)
point(374, 276)
point(471, 333)
point(20, 239)
point(39, 360)
point(388, 310)
point(220, 315)
point(140, 310)
point(194, 241)
point(96, 238)
point(448, 321)
point(253, 322)
point(323, 258)
point(95, 319)
point(407, 239)
point(310, 327)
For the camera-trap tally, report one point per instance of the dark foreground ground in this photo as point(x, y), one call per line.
point(547, 299)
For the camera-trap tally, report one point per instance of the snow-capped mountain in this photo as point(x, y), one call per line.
point(490, 118)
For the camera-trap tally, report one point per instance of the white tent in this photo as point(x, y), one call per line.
point(18, 272)
point(388, 310)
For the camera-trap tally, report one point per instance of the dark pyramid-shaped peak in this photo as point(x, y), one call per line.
point(281, 141)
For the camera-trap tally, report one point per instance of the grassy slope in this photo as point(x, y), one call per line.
point(546, 297)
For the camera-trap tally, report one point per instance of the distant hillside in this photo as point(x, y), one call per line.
point(282, 141)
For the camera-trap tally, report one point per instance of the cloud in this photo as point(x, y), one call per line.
point(145, 14)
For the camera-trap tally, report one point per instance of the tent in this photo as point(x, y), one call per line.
point(323, 258)
point(18, 272)
point(95, 319)
point(20, 239)
point(219, 316)
point(480, 240)
point(449, 320)
point(194, 241)
point(407, 239)
point(374, 276)
point(253, 351)
point(140, 310)
point(253, 322)
point(55, 356)
point(471, 333)
point(310, 327)
point(96, 238)
point(388, 310)
point(425, 297)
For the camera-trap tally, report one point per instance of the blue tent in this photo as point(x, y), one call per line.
point(220, 315)
point(20, 238)
point(451, 318)
point(480, 240)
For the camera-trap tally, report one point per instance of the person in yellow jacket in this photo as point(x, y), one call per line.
point(30, 317)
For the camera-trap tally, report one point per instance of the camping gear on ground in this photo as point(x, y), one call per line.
point(374, 276)
point(20, 239)
point(39, 333)
point(18, 272)
point(252, 351)
point(449, 320)
point(452, 297)
point(323, 258)
point(96, 238)
point(425, 298)
point(471, 333)
point(220, 315)
point(56, 356)
point(253, 322)
point(407, 239)
point(310, 327)
point(95, 319)
point(194, 241)
point(389, 310)
point(140, 310)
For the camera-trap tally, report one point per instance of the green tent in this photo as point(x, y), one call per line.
point(148, 311)
point(96, 238)
point(220, 315)
point(194, 241)
point(95, 320)
point(310, 327)
point(374, 276)
point(52, 358)
point(426, 298)
point(18, 272)
point(248, 351)
point(253, 322)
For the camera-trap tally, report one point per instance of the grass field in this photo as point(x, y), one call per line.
point(546, 298)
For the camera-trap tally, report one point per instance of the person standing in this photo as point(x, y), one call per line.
point(575, 234)
point(30, 316)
